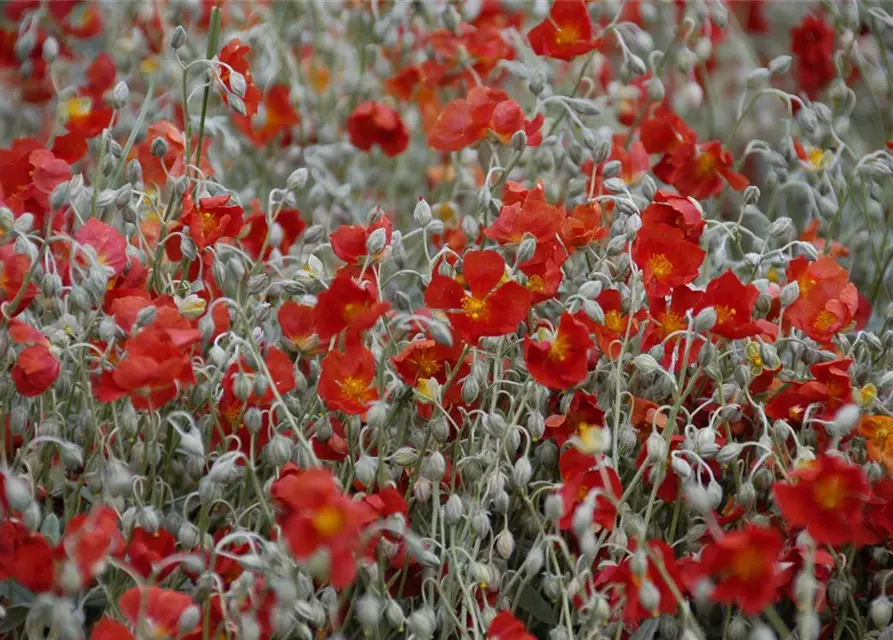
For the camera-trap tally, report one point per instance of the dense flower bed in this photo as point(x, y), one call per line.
point(393, 319)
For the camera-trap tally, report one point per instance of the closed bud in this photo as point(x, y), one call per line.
point(649, 596)
point(522, 472)
point(433, 467)
point(645, 363)
point(519, 140)
point(453, 510)
point(422, 213)
point(705, 320)
point(656, 446)
point(376, 241)
point(297, 179)
point(120, 95)
point(845, 420)
point(698, 497)
point(789, 293)
point(178, 37)
point(601, 151)
point(526, 248)
point(505, 544)
point(159, 147)
point(881, 611)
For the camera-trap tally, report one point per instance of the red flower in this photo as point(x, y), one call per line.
point(533, 215)
point(489, 308)
point(157, 610)
point(699, 171)
point(562, 362)
point(583, 226)
point(626, 585)
point(28, 175)
point(465, 121)
point(232, 59)
point(745, 566)
point(156, 365)
point(349, 241)
point(812, 44)
point(156, 170)
point(733, 302)
point(298, 325)
point(376, 123)
point(826, 498)
point(566, 33)
point(108, 629)
point(668, 319)
point(583, 473)
point(612, 332)
point(315, 514)
point(279, 117)
point(665, 132)
point(108, 243)
point(676, 211)
point(90, 538)
point(287, 227)
point(146, 549)
point(422, 359)
point(35, 370)
point(828, 301)
point(666, 258)
point(347, 382)
point(281, 371)
point(583, 414)
point(506, 626)
point(347, 305)
point(212, 220)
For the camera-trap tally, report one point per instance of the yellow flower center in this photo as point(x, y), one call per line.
point(725, 314)
point(559, 349)
point(536, 284)
point(328, 521)
point(660, 266)
point(474, 308)
point(355, 387)
point(829, 493)
point(613, 321)
point(824, 321)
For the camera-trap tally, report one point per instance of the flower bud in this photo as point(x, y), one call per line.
point(526, 248)
point(178, 37)
point(120, 95)
point(649, 596)
point(881, 611)
point(789, 293)
point(656, 446)
point(297, 179)
point(705, 320)
point(453, 510)
point(505, 544)
point(522, 472)
point(645, 363)
point(376, 241)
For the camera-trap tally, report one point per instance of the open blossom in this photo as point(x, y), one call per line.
point(812, 43)
point(828, 301)
point(826, 498)
point(676, 211)
point(374, 123)
point(35, 370)
point(566, 33)
point(878, 434)
point(233, 60)
point(347, 382)
point(316, 515)
point(347, 305)
point(465, 121)
point(745, 565)
point(506, 626)
point(158, 611)
point(667, 259)
point(560, 360)
point(490, 307)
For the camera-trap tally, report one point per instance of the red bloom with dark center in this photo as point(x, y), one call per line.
point(675, 211)
point(506, 626)
point(827, 498)
point(146, 550)
point(465, 121)
point(347, 382)
point(733, 302)
point(566, 33)
point(315, 514)
point(828, 301)
point(232, 58)
point(212, 220)
point(157, 610)
point(562, 362)
point(582, 474)
point(744, 565)
point(347, 305)
point(349, 241)
point(625, 585)
point(35, 370)
point(666, 258)
point(490, 308)
point(812, 43)
point(376, 123)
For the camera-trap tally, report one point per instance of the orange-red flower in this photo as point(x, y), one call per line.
point(108, 243)
point(828, 301)
point(744, 565)
point(298, 325)
point(566, 33)
point(562, 361)
point(625, 584)
point(28, 175)
point(90, 538)
point(666, 258)
point(157, 610)
point(212, 220)
point(376, 123)
point(146, 549)
point(667, 319)
point(491, 307)
point(826, 498)
point(701, 171)
point(506, 626)
point(424, 358)
point(347, 305)
point(533, 215)
point(315, 514)
point(675, 211)
point(610, 334)
point(35, 370)
point(582, 416)
point(733, 302)
point(257, 238)
point(878, 434)
point(108, 629)
point(349, 241)
point(465, 121)
point(232, 59)
point(583, 226)
point(279, 117)
point(347, 382)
